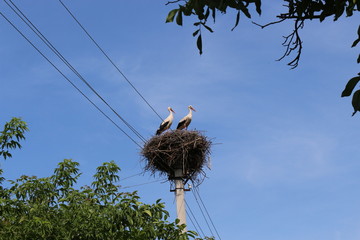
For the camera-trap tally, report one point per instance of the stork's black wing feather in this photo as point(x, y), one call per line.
point(162, 127)
point(181, 124)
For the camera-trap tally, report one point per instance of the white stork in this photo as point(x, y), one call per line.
point(185, 121)
point(166, 123)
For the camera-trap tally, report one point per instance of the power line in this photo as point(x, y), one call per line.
point(142, 184)
point(110, 60)
point(122, 179)
point(196, 190)
point(187, 205)
point(63, 59)
point(187, 213)
point(202, 213)
point(52, 64)
point(107, 56)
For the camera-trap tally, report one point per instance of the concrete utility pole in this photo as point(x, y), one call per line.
point(180, 197)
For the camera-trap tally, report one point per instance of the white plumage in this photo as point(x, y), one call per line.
point(185, 121)
point(166, 123)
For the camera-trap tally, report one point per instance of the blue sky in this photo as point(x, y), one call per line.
point(286, 161)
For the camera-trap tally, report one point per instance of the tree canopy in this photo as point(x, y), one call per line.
point(54, 207)
point(10, 136)
point(297, 11)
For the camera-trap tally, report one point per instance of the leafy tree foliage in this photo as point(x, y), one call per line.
point(11, 135)
point(52, 208)
point(297, 11)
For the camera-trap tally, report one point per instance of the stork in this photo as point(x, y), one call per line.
point(185, 121)
point(166, 123)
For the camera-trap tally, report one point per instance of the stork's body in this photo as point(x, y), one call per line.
point(185, 121)
point(166, 123)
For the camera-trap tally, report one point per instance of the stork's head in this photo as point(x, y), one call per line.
point(190, 107)
point(171, 110)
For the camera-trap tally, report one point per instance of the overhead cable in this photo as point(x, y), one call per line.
point(142, 184)
point(63, 59)
point(212, 223)
point(52, 64)
point(122, 179)
point(192, 214)
point(197, 231)
point(107, 56)
point(202, 213)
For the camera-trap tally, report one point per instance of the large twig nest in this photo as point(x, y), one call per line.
point(186, 150)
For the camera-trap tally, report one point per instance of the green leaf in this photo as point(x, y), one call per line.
point(350, 86)
point(199, 44)
point(196, 32)
point(244, 9)
point(213, 14)
point(237, 21)
point(207, 13)
point(186, 10)
point(349, 10)
point(171, 15)
point(322, 16)
point(356, 101)
point(193, 232)
point(130, 220)
point(339, 12)
point(258, 6)
point(208, 28)
point(355, 42)
point(358, 60)
point(148, 212)
point(179, 18)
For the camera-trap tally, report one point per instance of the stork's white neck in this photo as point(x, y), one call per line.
point(190, 112)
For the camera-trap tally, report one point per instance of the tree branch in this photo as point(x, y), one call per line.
point(268, 24)
point(293, 42)
point(286, 16)
point(170, 2)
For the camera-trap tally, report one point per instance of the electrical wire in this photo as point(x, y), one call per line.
point(197, 192)
point(202, 212)
point(122, 179)
point(107, 56)
point(192, 214)
point(110, 60)
point(142, 184)
point(48, 43)
point(52, 64)
point(197, 231)
point(63, 59)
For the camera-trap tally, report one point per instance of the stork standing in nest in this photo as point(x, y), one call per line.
point(185, 121)
point(166, 123)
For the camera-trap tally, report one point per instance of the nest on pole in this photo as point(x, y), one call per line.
point(186, 150)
